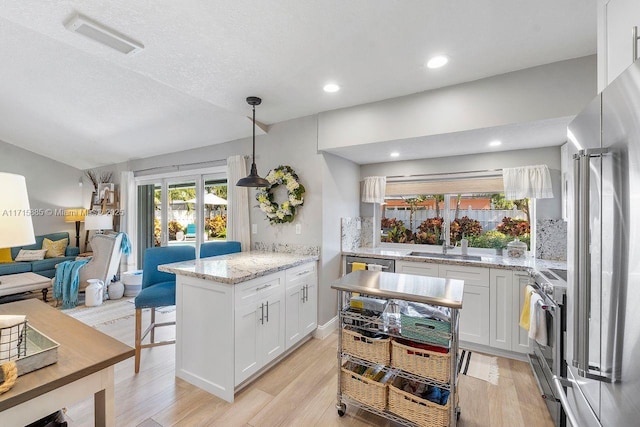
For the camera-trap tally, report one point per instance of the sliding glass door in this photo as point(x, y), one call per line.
point(181, 210)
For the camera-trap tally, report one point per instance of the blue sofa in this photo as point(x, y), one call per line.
point(45, 267)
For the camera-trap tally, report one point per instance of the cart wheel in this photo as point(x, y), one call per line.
point(458, 412)
point(342, 409)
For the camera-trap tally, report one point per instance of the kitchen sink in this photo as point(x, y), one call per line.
point(447, 256)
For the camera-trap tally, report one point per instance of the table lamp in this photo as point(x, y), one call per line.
point(99, 223)
point(16, 227)
point(75, 215)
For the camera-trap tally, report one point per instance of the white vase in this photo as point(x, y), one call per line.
point(116, 290)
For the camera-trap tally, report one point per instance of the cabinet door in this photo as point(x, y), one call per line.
point(621, 16)
point(309, 318)
point(501, 303)
point(247, 328)
point(519, 337)
point(474, 316)
point(418, 268)
point(272, 342)
point(294, 308)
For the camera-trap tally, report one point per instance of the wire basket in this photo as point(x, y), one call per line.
point(421, 362)
point(377, 350)
point(13, 342)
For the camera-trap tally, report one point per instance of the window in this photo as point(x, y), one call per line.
point(471, 208)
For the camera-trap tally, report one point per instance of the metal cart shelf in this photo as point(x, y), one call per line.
point(421, 289)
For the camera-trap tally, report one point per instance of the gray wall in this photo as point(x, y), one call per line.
point(50, 184)
point(340, 198)
point(549, 91)
point(550, 156)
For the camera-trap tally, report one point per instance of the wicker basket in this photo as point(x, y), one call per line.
point(364, 390)
point(425, 329)
point(421, 411)
point(421, 362)
point(371, 349)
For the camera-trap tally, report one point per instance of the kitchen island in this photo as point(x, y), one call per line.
point(239, 314)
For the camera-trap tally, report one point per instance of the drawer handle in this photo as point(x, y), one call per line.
point(302, 273)
point(263, 287)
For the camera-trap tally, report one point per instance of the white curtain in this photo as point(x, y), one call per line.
point(128, 206)
point(237, 203)
point(373, 190)
point(533, 182)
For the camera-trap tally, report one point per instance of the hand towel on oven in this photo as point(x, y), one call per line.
point(538, 322)
point(374, 267)
point(358, 266)
point(525, 314)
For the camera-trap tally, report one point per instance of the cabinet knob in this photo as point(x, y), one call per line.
point(634, 43)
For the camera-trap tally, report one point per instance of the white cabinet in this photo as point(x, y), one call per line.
point(259, 324)
point(519, 336)
point(501, 301)
point(302, 303)
point(616, 19)
point(474, 316)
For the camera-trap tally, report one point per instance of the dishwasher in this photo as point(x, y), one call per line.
point(388, 265)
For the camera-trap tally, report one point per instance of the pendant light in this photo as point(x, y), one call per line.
point(253, 180)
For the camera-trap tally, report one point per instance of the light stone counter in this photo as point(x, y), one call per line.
point(491, 261)
point(238, 267)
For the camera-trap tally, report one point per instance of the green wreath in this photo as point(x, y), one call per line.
point(286, 211)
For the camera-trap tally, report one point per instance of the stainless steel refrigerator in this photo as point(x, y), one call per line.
point(603, 299)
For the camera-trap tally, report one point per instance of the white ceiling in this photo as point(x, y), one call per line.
point(76, 101)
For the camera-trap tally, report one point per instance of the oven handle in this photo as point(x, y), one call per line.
point(559, 383)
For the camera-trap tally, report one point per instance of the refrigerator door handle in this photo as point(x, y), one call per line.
point(559, 383)
point(582, 264)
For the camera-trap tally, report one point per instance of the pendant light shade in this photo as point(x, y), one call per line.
point(253, 180)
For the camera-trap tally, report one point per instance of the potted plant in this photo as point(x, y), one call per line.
point(497, 240)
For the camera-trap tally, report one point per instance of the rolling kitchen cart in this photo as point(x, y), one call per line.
point(393, 358)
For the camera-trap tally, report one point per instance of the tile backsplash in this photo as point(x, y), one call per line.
point(356, 233)
point(551, 239)
point(287, 248)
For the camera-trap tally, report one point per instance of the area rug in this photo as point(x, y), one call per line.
point(479, 366)
point(108, 312)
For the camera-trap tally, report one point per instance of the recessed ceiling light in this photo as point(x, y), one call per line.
point(437, 61)
point(331, 87)
point(495, 143)
point(395, 154)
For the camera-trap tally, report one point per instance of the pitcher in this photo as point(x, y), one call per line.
point(93, 292)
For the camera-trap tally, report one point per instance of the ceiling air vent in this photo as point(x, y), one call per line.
point(97, 32)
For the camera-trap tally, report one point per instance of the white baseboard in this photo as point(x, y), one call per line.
point(323, 331)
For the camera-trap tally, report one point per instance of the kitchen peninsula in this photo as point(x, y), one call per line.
point(238, 314)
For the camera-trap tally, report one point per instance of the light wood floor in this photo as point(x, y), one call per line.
point(300, 391)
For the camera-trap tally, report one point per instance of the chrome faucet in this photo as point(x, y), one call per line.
point(446, 247)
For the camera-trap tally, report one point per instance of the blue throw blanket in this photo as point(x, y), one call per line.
point(66, 282)
point(125, 245)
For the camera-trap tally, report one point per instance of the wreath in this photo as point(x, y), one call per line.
point(286, 211)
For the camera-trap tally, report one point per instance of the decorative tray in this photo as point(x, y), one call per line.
point(41, 351)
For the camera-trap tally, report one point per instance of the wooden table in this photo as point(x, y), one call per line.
point(86, 359)
point(22, 282)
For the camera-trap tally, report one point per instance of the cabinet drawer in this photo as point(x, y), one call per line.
point(259, 288)
point(300, 273)
point(418, 268)
point(478, 276)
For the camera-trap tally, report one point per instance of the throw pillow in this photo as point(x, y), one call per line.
point(55, 249)
point(31, 254)
point(5, 255)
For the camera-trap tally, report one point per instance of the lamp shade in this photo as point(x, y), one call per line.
point(98, 222)
point(16, 227)
point(74, 214)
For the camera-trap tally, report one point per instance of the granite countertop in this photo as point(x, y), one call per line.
point(238, 267)
point(487, 260)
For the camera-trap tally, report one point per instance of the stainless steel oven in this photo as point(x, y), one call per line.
point(386, 265)
point(546, 358)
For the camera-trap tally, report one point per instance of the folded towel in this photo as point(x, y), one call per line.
point(525, 315)
point(374, 267)
point(358, 266)
point(541, 324)
point(533, 322)
point(66, 282)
